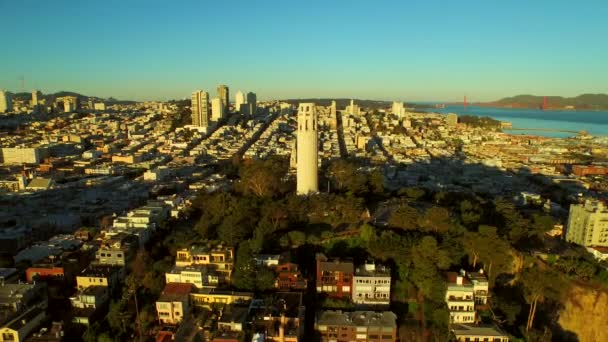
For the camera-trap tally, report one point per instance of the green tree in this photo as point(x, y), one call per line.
point(368, 233)
point(435, 219)
point(296, 238)
point(263, 178)
point(538, 286)
point(404, 217)
point(487, 247)
point(245, 268)
point(265, 279)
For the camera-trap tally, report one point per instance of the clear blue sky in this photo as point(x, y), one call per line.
point(407, 50)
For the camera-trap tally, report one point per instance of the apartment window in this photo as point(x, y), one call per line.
point(119, 255)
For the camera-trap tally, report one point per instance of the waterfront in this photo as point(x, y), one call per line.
point(594, 122)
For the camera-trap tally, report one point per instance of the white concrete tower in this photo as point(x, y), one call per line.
point(307, 150)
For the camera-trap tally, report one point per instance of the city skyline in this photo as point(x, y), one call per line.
point(416, 52)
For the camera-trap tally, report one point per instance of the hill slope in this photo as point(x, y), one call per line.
point(585, 101)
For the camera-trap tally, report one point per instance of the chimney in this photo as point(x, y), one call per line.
point(459, 280)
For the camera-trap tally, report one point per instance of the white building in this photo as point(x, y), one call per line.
point(307, 150)
point(217, 109)
point(239, 100)
point(6, 103)
point(398, 109)
point(99, 106)
point(588, 224)
point(460, 298)
point(372, 285)
point(201, 276)
point(200, 108)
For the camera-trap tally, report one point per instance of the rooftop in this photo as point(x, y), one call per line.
point(477, 330)
point(175, 291)
point(358, 318)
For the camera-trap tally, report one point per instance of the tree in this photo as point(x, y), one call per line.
point(538, 286)
point(296, 238)
point(262, 178)
point(404, 217)
point(470, 213)
point(245, 268)
point(376, 182)
point(368, 232)
point(435, 219)
point(487, 247)
point(345, 177)
point(265, 279)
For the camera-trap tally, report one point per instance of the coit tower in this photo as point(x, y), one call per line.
point(307, 150)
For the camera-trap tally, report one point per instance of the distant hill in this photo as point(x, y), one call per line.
point(585, 101)
point(83, 98)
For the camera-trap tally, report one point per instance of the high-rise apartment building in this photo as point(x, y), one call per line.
point(224, 95)
point(6, 103)
point(307, 150)
point(588, 224)
point(200, 108)
point(252, 103)
point(452, 119)
point(239, 100)
point(36, 97)
point(398, 109)
point(217, 109)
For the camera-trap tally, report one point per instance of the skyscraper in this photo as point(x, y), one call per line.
point(217, 109)
point(200, 108)
point(6, 103)
point(224, 95)
point(398, 109)
point(239, 100)
point(36, 96)
point(307, 150)
point(252, 103)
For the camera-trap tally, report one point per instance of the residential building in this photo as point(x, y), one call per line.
point(36, 97)
point(268, 260)
point(451, 119)
point(208, 297)
point(280, 317)
point(233, 318)
point(217, 109)
point(224, 96)
point(116, 250)
point(219, 257)
point(174, 303)
point(481, 332)
point(289, 278)
point(201, 276)
point(398, 109)
point(334, 277)
point(357, 326)
point(307, 150)
point(372, 285)
point(21, 326)
point(252, 104)
point(99, 106)
point(239, 100)
point(22, 155)
point(6, 103)
point(90, 304)
point(460, 298)
point(588, 224)
point(102, 275)
point(200, 108)
point(481, 286)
